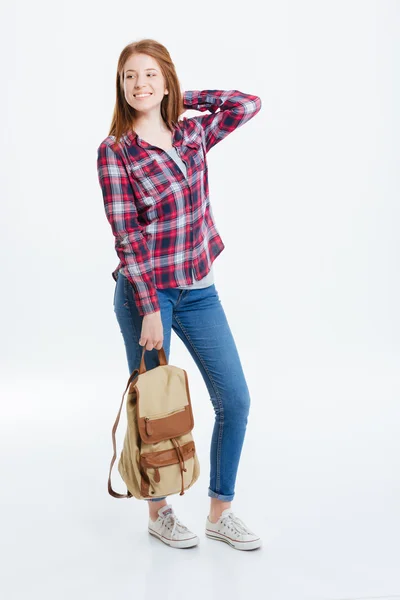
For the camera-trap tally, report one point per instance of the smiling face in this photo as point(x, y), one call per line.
point(144, 83)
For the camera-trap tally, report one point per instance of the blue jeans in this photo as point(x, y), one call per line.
point(198, 318)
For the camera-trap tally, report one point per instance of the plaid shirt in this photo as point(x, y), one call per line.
point(162, 222)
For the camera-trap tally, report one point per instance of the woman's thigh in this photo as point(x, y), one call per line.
point(130, 324)
point(200, 321)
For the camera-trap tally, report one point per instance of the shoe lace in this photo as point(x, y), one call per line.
point(236, 523)
point(173, 520)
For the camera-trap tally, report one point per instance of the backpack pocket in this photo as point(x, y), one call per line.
point(164, 426)
point(162, 470)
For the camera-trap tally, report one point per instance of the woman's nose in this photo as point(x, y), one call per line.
point(139, 81)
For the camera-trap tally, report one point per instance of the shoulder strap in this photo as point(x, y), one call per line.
point(114, 429)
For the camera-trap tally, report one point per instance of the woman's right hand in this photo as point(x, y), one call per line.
point(152, 335)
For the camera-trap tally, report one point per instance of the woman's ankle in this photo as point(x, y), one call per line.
point(216, 508)
point(154, 507)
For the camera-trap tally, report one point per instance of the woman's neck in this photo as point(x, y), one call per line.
point(150, 127)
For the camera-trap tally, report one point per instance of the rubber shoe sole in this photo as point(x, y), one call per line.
point(237, 544)
point(188, 543)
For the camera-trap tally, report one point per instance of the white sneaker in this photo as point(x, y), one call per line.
point(170, 530)
point(233, 531)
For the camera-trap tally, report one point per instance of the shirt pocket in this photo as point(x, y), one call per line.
point(195, 154)
point(151, 180)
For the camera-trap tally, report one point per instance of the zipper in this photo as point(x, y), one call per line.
point(165, 414)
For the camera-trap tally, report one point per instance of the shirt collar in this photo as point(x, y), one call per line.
point(131, 137)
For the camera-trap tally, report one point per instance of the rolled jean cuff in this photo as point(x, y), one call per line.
point(228, 498)
point(155, 499)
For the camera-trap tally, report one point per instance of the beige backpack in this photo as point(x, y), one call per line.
point(159, 456)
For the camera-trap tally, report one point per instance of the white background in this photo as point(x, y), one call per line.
point(306, 199)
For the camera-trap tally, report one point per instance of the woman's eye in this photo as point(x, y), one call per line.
point(151, 75)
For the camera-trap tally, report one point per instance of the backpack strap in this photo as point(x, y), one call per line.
point(134, 374)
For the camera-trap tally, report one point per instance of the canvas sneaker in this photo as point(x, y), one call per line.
point(233, 531)
point(170, 530)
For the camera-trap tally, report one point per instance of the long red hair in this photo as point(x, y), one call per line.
point(171, 105)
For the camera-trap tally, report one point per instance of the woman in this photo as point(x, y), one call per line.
point(152, 169)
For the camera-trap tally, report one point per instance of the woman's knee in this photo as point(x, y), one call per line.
point(235, 404)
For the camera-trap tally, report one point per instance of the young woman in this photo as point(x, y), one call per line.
point(152, 169)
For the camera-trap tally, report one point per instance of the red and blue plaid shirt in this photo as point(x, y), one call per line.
point(162, 222)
